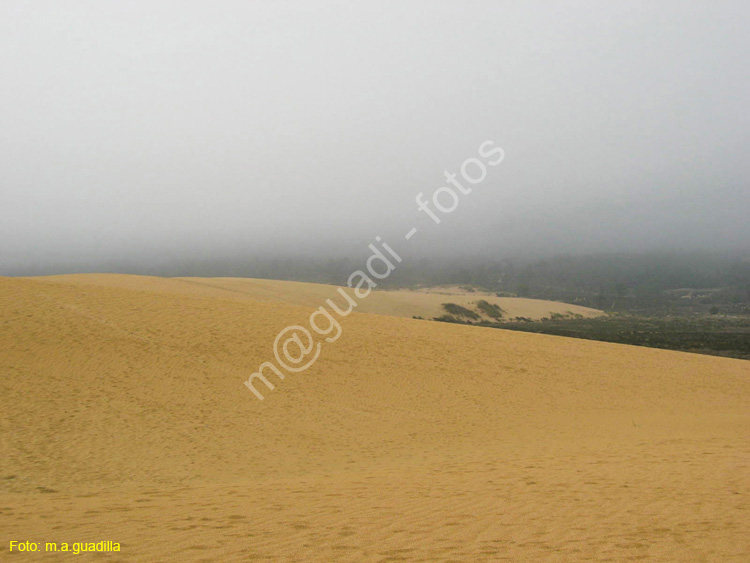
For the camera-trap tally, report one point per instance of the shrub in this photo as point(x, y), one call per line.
point(460, 311)
point(490, 309)
point(449, 319)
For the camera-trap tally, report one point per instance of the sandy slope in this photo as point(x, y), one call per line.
point(423, 303)
point(124, 418)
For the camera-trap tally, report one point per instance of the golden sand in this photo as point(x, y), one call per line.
point(124, 419)
point(426, 303)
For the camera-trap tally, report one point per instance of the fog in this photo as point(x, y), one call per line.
point(157, 132)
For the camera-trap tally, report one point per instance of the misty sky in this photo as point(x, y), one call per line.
point(171, 128)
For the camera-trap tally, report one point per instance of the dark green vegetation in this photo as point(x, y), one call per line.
point(459, 311)
point(490, 309)
point(720, 336)
point(460, 314)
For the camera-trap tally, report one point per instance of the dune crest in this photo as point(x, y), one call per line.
point(426, 303)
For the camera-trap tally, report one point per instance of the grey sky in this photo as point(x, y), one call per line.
point(166, 127)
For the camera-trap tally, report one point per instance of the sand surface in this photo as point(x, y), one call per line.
point(426, 303)
point(124, 417)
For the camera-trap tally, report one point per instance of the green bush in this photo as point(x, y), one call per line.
point(490, 309)
point(449, 319)
point(460, 311)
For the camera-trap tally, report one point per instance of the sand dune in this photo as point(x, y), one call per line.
point(426, 303)
point(124, 418)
